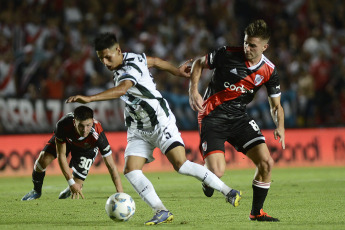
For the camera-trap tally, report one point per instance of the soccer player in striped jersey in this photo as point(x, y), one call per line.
point(83, 136)
point(238, 73)
point(150, 123)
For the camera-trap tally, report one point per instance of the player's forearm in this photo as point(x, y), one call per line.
point(280, 117)
point(163, 65)
point(109, 94)
point(61, 156)
point(115, 177)
point(277, 114)
point(195, 76)
point(64, 166)
point(117, 181)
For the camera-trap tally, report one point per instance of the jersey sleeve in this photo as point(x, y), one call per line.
point(103, 145)
point(273, 85)
point(59, 132)
point(213, 59)
point(132, 68)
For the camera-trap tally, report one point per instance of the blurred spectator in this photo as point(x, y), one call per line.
point(53, 87)
point(7, 77)
point(47, 45)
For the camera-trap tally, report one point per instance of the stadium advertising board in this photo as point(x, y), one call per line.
point(304, 147)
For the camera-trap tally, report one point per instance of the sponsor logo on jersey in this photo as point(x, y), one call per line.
point(258, 79)
point(233, 87)
point(204, 146)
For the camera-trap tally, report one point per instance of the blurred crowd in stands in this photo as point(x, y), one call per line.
point(46, 49)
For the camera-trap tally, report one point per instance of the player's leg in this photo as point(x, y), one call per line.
point(262, 180)
point(178, 159)
point(143, 186)
point(139, 152)
point(215, 162)
point(38, 174)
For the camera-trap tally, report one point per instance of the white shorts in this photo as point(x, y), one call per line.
point(142, 143)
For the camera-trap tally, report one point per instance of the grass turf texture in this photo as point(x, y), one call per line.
point(302, 198)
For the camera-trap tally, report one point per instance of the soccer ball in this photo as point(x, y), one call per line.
point(120, 207)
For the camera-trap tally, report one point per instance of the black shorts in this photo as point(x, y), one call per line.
point(242, 133)
point(80, 162)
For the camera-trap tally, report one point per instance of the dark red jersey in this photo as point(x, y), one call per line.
point(234, 83)
point(65, 132)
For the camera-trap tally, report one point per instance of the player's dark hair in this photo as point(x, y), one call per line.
point(83, 113)
point(104, 41)
point(258, 29)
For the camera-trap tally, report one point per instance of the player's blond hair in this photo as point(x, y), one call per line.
point(259, 29)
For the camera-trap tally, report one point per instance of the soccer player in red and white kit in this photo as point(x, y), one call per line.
point(83, 136)
point(238, 73)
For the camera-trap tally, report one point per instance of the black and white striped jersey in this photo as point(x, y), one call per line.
point(145, 106)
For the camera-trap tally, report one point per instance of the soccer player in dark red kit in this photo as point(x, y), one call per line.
point(83, 136)
point(238, 73)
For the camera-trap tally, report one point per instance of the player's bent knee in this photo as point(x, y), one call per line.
point(218, 172)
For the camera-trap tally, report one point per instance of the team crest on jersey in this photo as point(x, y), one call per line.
point(258, 79)
point(204, 146)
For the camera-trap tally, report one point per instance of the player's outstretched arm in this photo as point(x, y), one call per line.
point(108, 94)
point(195, 99)
point(182, 71)
point(277, 113)
point(61, 155)
point(115, 176)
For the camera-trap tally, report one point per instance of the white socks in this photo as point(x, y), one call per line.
point(203, 174)
point(145, 189)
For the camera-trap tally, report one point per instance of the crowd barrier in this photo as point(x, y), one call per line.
point(304, 147)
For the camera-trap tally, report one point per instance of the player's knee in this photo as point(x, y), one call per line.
point(218, 171)
point(266, 166)
point(126, 170)
point(40, 165)
point(178, 164)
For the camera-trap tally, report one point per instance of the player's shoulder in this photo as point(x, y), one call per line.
point(234, 49)
point(268, 62)
point(66, 120)
point(130, 57)
point(229, 50)
point(98, 126)
point(134, 62)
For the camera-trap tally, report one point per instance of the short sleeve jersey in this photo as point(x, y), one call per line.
point(145, 106)
point(234, 83)
point(96, 140)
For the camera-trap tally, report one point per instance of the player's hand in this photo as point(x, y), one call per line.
point(79, 98)
point(185, 68)
point(76, 191)
point(280, 133)
point(196, 101)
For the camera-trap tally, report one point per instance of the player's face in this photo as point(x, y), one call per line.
point(83, 128)
point(111, 57)
point(253, 48)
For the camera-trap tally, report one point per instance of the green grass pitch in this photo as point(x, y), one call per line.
point(302, 198)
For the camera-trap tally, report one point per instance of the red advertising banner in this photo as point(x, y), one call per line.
point(304, 147)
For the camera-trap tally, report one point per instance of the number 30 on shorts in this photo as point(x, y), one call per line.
point(85, 164)
point(254, 125)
